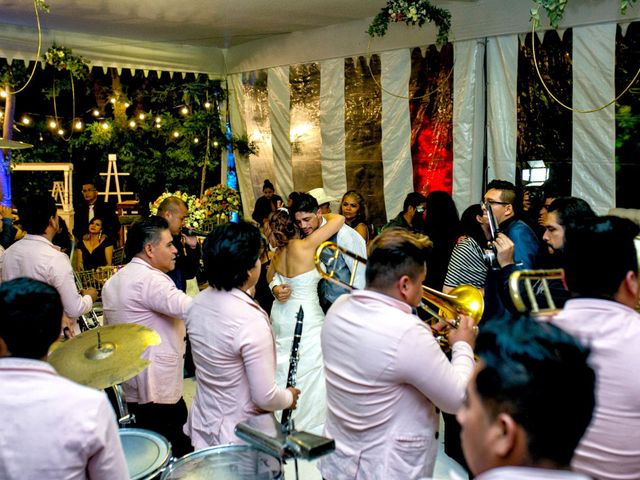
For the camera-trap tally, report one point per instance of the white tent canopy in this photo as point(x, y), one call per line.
point(222, 38)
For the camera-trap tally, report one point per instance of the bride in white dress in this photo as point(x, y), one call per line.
point(293, 264)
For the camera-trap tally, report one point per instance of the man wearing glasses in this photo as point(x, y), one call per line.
point(93, 206)
point(517, 246)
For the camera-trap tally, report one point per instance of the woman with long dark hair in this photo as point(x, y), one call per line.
point(354, 210)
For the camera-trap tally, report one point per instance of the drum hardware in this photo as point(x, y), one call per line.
point(104, 356)
point(125, 418)
point(542, 277)
point(462, 300)
point(265, 433)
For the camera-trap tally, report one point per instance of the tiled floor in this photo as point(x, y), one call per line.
point(307, 470)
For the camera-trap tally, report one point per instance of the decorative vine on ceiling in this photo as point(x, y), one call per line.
point(555, 10)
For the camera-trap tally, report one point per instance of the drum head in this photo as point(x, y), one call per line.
point(227, 462)
point(146, 452)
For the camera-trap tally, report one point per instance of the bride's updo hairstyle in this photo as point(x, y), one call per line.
point(282, 227)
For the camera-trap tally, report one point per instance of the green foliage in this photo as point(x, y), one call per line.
point(63, 59)
point(555, 10)
point(13, 75)
point(412, 12)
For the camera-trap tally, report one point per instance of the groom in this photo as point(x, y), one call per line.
point(308, 218)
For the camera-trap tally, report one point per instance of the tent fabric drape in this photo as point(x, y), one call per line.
point(502, 120)
point(332, 149)
point(279, 117)
point(396, 128)
point(468, 121)
point(594, 136)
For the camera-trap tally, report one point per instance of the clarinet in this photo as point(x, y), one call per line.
point(293, 366)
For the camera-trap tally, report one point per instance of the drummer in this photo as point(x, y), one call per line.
point(142, 293)
point(232, 341)
point(51, 426)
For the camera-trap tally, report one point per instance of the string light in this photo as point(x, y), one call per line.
point(95, 113)
point(176, 134)
point(60, 132)
point(207, 105)
point(127, 105)
point(132, 124)
point(78, 125)
point(1, 113)
point(158, 125)
point(196, 140)
point(158, 120)
point(184, 110)
point(215, 144)
point(53, 124)
point(105, 126)
point(142, 116)
point(113, 100)
point(26, 120)
point(3, 94)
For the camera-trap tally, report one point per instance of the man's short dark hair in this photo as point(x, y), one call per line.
point(508, 192)
point(598, 254)
point(538, 375)
point(30, 317)
point(413, 199)
point(570, 210)
point(394, 253)
point(304, 203)
point(229, 252)
point(35, 212)
point(147, 230)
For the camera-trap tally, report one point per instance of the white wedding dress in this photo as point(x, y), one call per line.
point(310, 413)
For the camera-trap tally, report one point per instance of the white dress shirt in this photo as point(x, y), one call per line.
point(51, 427)
point(528, 473)
point(610, 449)
point(142, 294)
point(36, 257)
point(385, 376)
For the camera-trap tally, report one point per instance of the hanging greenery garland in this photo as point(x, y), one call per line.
point(63, 59)
point(412, 12)
point(555, 10)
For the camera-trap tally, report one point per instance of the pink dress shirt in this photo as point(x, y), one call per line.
point(36, 257)
point(51, 427)
point(610, 449)
point(385, 376)
point(142, 294)
point(234, 351)
point(527, 473)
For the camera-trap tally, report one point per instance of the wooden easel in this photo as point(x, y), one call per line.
point(112, 172)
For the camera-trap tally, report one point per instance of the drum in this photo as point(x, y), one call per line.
point(146, 452)
point(226, 462)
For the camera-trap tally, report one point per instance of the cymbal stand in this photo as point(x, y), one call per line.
point(125, 417)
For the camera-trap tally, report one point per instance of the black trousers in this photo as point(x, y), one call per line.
point(165, 419)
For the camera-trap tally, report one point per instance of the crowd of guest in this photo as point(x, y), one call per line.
point(543, 397)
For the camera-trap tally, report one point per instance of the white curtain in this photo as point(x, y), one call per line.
point(396, 129)
point(468, 122)
point(594, 134)
point(279, 117)
point(502, 120)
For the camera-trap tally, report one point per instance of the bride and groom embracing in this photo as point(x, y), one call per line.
point(296, 283)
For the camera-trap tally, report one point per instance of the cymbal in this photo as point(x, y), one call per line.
point(104, 356)
point(13, 145)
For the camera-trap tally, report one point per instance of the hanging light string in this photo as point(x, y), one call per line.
point(73, 111)
point(404, 97)
point(35, 64)
point(575, 110)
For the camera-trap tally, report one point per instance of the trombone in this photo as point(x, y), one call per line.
point(462, 300)
point(542, 278)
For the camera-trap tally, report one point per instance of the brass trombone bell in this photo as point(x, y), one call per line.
point(525, 278)
point(462, 300)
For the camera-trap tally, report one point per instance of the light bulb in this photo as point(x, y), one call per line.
point(196, 140)
point(95, 113)
point(215, 144)
point(132, 124)
point(113, 100)
point(127, 105)
point(26, 120)
point(105, 126)
point(184, 110)
point(158, 125)
point(53, 124)
point(207, 105)
point(176, 134)
point(61, 132)
point(3, 94)
point(158, 119)
point(78, 125)
point(141, 116)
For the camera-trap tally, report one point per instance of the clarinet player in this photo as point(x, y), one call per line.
point(385, 372)
point(232, 341)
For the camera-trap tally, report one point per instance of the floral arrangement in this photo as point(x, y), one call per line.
point(221, 200)
point(412, 12)
point(197, 211)
point(62, 58)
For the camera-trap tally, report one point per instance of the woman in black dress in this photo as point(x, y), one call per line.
point(95, 249)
